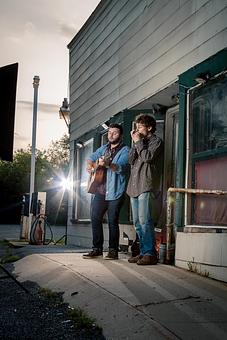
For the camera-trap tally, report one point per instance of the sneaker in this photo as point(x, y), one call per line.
point(93, 254)
point(112, 255)
point(147, 260)
point(134, 259)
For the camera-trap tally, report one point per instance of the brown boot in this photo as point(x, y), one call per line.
point(134, 259)
point(147, 260)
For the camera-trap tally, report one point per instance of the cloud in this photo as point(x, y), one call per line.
point(23, 33)
point(29, 27)
point(42, 107)
point(68, 30)
point(49, 125)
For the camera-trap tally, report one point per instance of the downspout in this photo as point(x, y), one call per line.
point(187, 159)
point(180, 164)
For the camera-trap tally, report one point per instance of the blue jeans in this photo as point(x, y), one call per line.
point(98, 208)
point(141, 212)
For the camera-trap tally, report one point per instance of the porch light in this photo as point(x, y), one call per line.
point(64, 112)
point(105, 125)
point(79, 144)
point(202, 78)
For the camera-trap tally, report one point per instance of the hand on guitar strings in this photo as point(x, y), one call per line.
point(90, 167)
point(102, 161)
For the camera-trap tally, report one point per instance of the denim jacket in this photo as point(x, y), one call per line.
point(115, 180)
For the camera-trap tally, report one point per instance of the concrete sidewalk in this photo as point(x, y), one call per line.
point(131, 301)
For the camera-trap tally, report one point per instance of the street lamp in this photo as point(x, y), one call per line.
point(32, 175)
point(64, 112)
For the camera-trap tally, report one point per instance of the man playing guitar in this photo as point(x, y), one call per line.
point(112, 160)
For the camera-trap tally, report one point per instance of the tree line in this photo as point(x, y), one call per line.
point(51, 165)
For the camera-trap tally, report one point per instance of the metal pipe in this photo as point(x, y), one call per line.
point(187, 156)
point(169, 226)
point(197, 191)
point(32, 174)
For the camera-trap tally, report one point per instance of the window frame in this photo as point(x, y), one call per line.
point(192, 157)
point(77, 180)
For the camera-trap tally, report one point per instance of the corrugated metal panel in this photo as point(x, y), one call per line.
point(135, 49)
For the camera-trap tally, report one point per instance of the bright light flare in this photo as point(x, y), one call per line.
point(65, 183)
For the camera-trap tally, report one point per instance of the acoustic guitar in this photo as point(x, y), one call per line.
point(98, 174)
point(97, 177)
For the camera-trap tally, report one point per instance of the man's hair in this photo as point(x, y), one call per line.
point(117, 126)
point(146, 120)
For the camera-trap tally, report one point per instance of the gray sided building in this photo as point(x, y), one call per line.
point(167, 58)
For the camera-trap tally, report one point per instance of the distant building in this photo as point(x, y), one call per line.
point(168, 58)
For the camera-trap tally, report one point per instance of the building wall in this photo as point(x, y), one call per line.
point(203, 253)
point(81, 235)
point(129, 50)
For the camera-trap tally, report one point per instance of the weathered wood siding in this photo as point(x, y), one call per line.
point(130, 49)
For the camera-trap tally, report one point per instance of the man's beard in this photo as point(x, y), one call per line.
point(116, 141)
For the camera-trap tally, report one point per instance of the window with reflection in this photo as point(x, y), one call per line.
point(83, 199)
point(104, 139)
point(209, 151)
point(209, 109)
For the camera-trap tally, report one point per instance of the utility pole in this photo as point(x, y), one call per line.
point(34, 124)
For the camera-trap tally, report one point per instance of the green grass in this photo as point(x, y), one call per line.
point(7, 258)
point(4, 243)
point(80, 319)
point(53, 296)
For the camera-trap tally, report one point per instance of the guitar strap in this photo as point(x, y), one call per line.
point(111, 153)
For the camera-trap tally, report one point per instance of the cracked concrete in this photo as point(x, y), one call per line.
point(130, 301)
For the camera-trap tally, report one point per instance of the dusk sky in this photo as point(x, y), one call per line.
point(35, 33)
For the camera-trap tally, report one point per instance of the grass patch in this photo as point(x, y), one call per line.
point(4, 243)
point(60, 242)
point(53, 296)
point(81, 319)
point(195, 268)
point(8, 258)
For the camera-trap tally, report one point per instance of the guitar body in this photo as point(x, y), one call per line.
point(96, 178)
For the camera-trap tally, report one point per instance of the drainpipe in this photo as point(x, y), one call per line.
point(169, 227)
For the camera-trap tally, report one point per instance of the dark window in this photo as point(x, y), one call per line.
point(209, 107)
point(209, 151)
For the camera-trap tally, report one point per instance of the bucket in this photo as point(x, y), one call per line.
point(162, 253)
